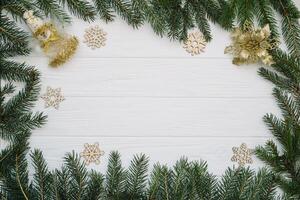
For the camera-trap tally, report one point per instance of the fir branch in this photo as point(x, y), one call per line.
point(19, 177)
point(212, 8)
point(287, 130)
point(290, 25)
point(78, 176)
point(201, 21)
point(104, 10)
point(43, 179)
point(11, 33)
point(156, 15)
point(115, 176)
point(262, 187)
point(13, 125)
point(26, 98)
point(62, 186)
point(174, 20)
point(283, 165)
point(276, 126)
point(95, 188)
point(15, 114)
point(288, 65)
point(123, 9)
point(160, 183)
point(269, 154)
point(245, 12)
point(137, 176)
point(7, 89)
point(276, 79)
point(181, 184)
point(227, 16)
point(51, 8)
point(14, 7)
point(286, 74)
point(9, 49)
point(233, 183)
point(187, 21)
point(16, 179)
point(291, 33)
point(266, 15)
point(81, 9)
point(13, 71)
point(186, 180)
point(202, 183)
point(287, 105)
point(139, 9)
point(55, 185)
point(7, 160)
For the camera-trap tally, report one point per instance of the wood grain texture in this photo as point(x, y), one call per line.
point(153, 116)
point(155, 77)
point(143, 93)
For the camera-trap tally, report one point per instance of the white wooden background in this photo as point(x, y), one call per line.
point(144, 94)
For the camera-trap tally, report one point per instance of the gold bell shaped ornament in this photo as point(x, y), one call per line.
point(57, 46)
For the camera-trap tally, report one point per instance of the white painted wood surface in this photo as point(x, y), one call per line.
point(144, 94)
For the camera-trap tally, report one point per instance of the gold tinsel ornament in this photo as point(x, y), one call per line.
point(57, 46)
point(251, 45)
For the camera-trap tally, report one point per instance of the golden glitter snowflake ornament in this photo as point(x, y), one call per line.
point(195, 43)
point(251, 45)
point(95, 37)
point(53, 97)
point(92, 153)
point(242, 155)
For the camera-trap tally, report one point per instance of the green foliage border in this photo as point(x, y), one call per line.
point(171, 18)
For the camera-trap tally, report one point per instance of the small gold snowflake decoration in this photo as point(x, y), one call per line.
point(242, 155)
point(251, 45)
point(92, 153)
point(195, 43)
point(94, 37)
point(53, 97)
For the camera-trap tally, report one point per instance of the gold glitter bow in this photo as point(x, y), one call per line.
point(251, 45)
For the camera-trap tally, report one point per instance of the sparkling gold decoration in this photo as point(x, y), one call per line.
point(53, 97)
point(251, 45)
point(57, 46)
point(67, 49)
point(242, 155)
point(92, 153)
point(195, 43)
point(95, 37)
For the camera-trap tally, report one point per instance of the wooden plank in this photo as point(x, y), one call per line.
point(173, 117)
point(154, 78)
